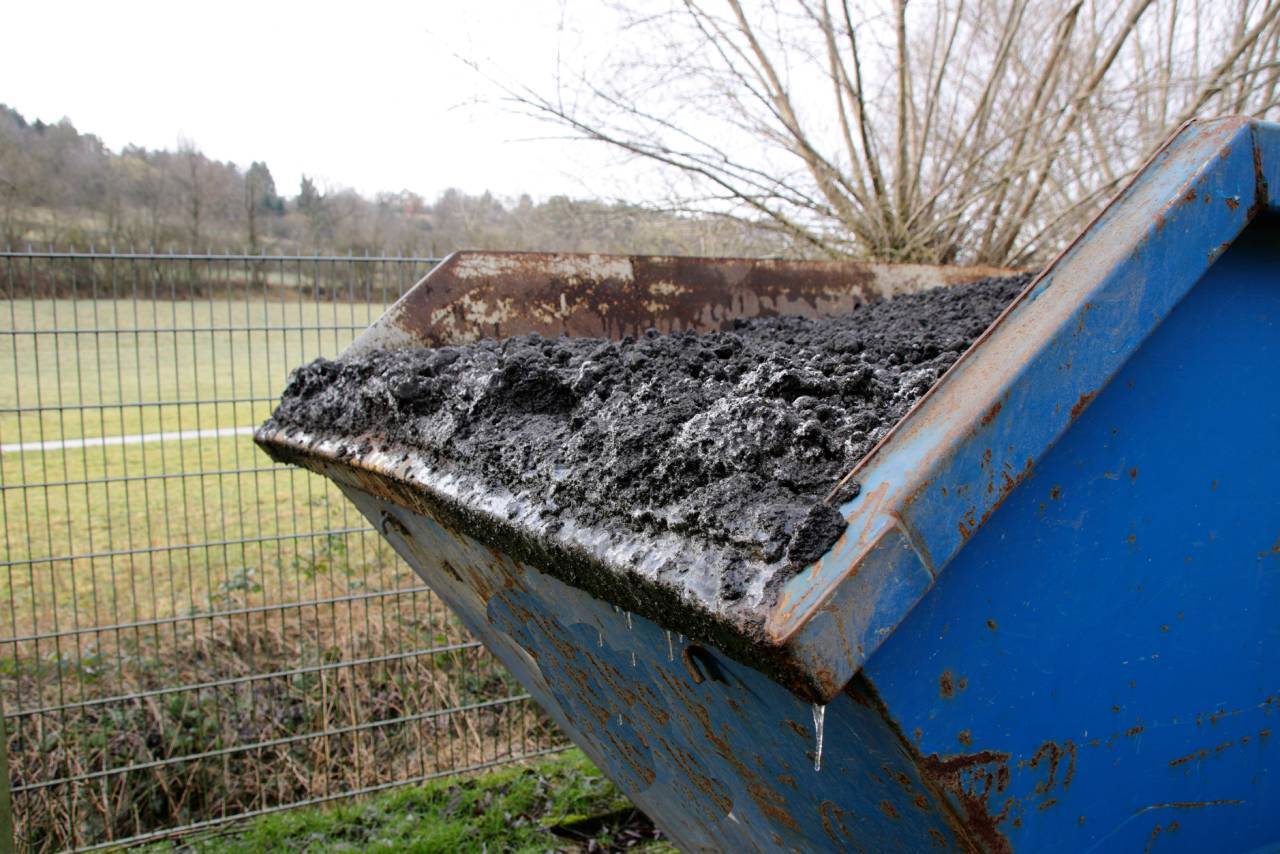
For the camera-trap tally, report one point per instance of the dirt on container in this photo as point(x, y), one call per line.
point(730, 439)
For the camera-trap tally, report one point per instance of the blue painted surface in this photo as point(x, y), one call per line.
point(725, 764)
point(1123, 605)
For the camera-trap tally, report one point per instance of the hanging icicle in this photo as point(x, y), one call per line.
point(819, 715)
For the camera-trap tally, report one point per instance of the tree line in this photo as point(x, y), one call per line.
point(64, 188)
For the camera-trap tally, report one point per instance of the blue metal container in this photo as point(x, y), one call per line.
point(1099, 665)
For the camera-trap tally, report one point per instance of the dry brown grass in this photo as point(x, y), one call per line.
point(396, 716)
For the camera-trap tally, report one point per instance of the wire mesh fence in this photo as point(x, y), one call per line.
point(190, 634)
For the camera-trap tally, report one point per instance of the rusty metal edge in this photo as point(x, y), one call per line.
point(474, 293)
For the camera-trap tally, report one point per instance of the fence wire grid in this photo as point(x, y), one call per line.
point(189, 633)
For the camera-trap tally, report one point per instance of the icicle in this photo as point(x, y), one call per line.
point(600, 639)
point(633, 658)
point(619, 718)
point(733, 817)
point(628, 621)
point(671, 654)
point(819, 713)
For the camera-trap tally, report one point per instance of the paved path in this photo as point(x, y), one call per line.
point(134, 439)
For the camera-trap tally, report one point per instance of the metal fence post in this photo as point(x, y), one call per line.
point(6, 805)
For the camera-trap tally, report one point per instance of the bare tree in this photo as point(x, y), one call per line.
point(259, 197)
point(191, 177)
point(981, 131)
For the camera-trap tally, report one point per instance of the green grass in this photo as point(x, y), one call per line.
point(127, 352)
point(72, 384)
point(512, 809)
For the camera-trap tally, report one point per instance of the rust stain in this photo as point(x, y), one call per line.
point(972, 779)
point(1261, 192)
point(695, 672)
point(992, 412)
point(768, 801)
point(968, 523)
point(474, 294)
point(1232, 202)
point(965, 738)
point(888, 809)
point(959, 786)
point(1071, 765)
point(1081, 403)
point(449, 568)
point(946, 685)
point(1050, 755)
point(832, 822)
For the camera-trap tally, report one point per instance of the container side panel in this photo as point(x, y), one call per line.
point(718, 755)
point(1110, 638)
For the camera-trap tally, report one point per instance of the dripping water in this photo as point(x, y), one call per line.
point(819, 714)
point(671, 656)
point(628, 621)
point(633, 658)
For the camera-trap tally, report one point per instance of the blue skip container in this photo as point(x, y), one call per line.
point(1053, 622)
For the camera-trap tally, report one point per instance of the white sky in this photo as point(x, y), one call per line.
point(364, 94)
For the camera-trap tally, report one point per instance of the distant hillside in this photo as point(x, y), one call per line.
point(65, 188)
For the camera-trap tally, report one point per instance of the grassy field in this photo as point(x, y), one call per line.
point(159, 351)
point(210, 546)
point(129, 498)
point(547, 806)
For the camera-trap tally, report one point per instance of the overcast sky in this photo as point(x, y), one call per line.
point(364, 94)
